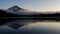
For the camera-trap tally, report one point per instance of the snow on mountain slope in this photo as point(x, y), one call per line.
point(20, 11)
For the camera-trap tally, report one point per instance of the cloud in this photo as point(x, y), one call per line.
point(31, 7)
point(34, 9)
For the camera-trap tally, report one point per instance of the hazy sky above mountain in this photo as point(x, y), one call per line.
point(34, 5)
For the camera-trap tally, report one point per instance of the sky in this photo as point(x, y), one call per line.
point(33, 5)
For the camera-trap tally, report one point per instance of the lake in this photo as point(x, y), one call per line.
point(31, 26)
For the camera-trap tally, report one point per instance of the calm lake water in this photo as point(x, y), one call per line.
point(32, 26)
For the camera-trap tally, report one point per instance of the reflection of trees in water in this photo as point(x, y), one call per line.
point(21, 22)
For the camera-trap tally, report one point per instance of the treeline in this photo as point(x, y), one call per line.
point(5, 14)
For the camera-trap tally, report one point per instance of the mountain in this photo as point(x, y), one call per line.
point(17, 10)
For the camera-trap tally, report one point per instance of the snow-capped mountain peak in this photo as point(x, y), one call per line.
point(15, 8)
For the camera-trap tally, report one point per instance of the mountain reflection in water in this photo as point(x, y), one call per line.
point(32, 26)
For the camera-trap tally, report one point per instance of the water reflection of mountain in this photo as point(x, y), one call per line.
point(32, 26)
point(21, 22)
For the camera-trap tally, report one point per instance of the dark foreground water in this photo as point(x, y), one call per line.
point(32, 26)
